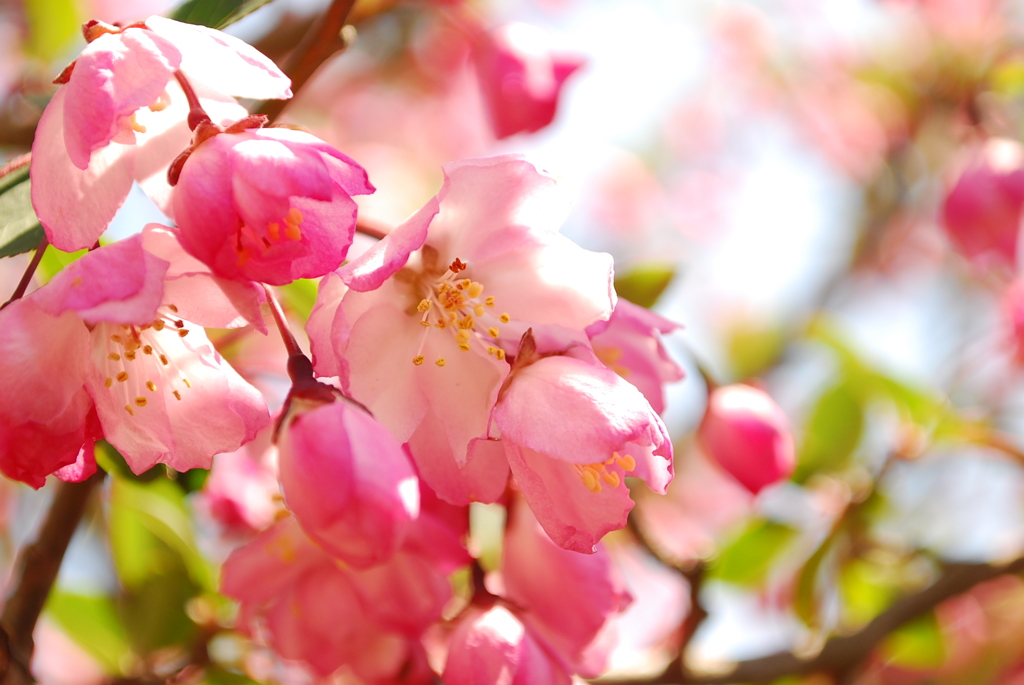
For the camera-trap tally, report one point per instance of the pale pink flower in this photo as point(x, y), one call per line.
point(629, 344)
point(121, 117)
point(982, 212)
point(327, 614)
point(242, 493)
point(269, 205)
point(748, 435)
point(418, 335)
point(572, 431)
point(160, 390)
point(521, 78)
point(348, 482)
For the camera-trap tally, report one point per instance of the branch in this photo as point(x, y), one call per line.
point(841, 654)
point(35, 572)
point(321, 42)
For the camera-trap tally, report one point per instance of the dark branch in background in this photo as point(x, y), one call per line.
point(321, 42)
point(30, 271)
point(843, 654)
point(34, 575)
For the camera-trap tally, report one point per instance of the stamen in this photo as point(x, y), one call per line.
point(418, 359)
point(122, 377)
point(108, 382)
point(493, 332)
point(136, 126)
point(274, 230)
point(128, 409)
point(489, 301)
point(177, 395)
point(187, 382)
point(611, 478)
point(164, 360)
point(504, 318)
point(130, 355)
point(183, 332)
point(147, 349)
point(151, 385)
point(140, 401)
point(440, 361)
point(626, 462)
point(114, 357)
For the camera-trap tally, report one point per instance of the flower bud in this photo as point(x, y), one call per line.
point(746, 432)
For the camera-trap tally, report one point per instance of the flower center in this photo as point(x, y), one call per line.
point(608, 471)
point(137, 359)
point(249, 241)
point(459, 306)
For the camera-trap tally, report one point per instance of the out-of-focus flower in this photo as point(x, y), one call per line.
point(748, 434)
point(982, 212)
point(521, 77)
point(348, 482)
point(269, 205)
point(120, 98)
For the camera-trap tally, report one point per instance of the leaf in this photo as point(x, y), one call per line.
point(52, 24)
point(753, 347)
point(917, 644)
point(216, 14)
point(866, 591)
point(19, 228)
point(55, 260)
point(92, 622)
point(643, 285)
point(749, 557)
point(832, 432)
point(806, 598)
point(300, 296)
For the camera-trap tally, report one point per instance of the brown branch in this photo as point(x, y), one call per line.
point(842, 654)
point(30, 271)
point(323, 40)
point(35, 572)
point(15, 164)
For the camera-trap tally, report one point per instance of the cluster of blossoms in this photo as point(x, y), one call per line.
point(473, 355)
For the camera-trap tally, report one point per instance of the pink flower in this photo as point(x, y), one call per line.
point(328, 615)
point(418, 336)
point(121, 117)
point(746, 432)
point(160, 390)
point(269, 205)
point(521, 78)
point(348, 482)
point(242, 493)
point(982, 212)
point(572, 431)
point(629, 344)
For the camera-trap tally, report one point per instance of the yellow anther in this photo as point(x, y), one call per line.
point(500, 354)
point(492, 350)
point(467, 323)
point(274, 230)
point(292, 231)
point(294, 216)
point(243, 256)
point(177, 395)
point(183, 332)
point(425, 323)
point(161, 102)
point(464, 284)
point(475, 289)
point(130, 355)
point(611, 478)
point(136, 126)
point(122, 377)
point(462, 335)
point(151, 385)
point(147, 349)
point(108, 382)
point(114, 356)
point(489, 301)
point(187, 382)
point(164, 360)
point(128, 409)
point(441, 361)
point(158, 325)
point(478, 310)
point(464, 346)
point(173, 308)
point(423, 306)
point(493, 332)
point(116, 338)
point(590, 479)
point(627, 462)
point(418, 359)
point(140, 401)
point(504, 318)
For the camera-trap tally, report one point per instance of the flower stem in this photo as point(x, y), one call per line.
point(196, 113)
point(30, 271)
point(290, 343)
point(15, 164)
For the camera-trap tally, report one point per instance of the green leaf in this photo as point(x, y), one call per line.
point(300, 296)
point(749, 557)
point(216, 14)
point(832, 432)
point(917, 644)
point(19, 228)
point(806, 598)
point(92, 622)
point(52, 24)
point(752, 348)
point(644, 284)
point(866, 591)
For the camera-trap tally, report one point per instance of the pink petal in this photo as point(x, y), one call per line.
point(481, 479)
point(327, 328)
point(84, 466)
point(30, 451)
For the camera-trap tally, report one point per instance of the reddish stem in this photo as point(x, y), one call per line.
point(196, 113)
point(15, 164)
point(290, 343)
point(30, 271)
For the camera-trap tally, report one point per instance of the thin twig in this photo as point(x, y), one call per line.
point(15, 164)
point(842, 654)
point(30, 271)
point(321, 42)
point(35, 572)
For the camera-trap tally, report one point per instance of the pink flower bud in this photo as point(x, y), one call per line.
point(748, 435)
point(982, 213)
point(521, 78)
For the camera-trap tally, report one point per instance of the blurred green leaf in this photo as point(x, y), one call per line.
point(216, 14)
point(220, 676)
point(832, 432)
point(1008, 78)
point(806, 598)
point(19, 228)
point(748, 558)
point(752, 348)
point(300, 296)
point(52, 24)
point(644, 284)
point(917, 644)
point(866, 591)
point(92, 622)
point(54, 261)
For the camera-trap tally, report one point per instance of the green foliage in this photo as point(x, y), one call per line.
point(917, 644)
point(750, 556)
point(52, 26)
point(832, 432)
point(806, 598)
point(19, 228)
point(93, 623)
point(300, 296)
point(216, 14)
point(753, 348)
point(644, 284)
point(866, 591)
